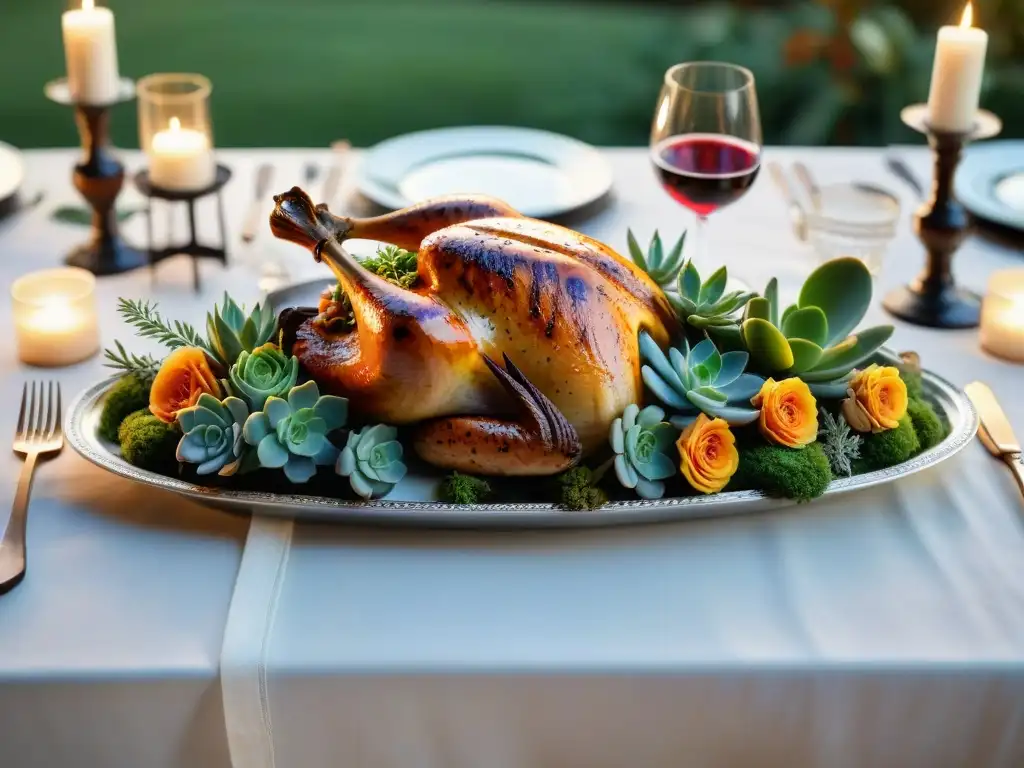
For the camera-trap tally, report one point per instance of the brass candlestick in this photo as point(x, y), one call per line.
point(99, 177)
point(941, 224)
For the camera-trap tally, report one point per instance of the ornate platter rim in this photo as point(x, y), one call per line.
point(81, 435)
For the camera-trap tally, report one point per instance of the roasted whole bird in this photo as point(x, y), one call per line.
point(513, 353)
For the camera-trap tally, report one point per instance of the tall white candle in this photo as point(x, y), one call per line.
point(90, 51)
point(181, 159)
point(956, 76)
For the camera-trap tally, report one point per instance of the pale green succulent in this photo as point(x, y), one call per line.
point(699, 380)
point(265, 372)
point(372, 461)
point(292, 434)
point(706, 306)
point(213, 436)
point(640, 439)
point(813, 338)
point(231, 331)
point(662, 268)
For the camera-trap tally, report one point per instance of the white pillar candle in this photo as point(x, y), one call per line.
point(181, 159)
point(956, 76)
point(55, 316)
point(90, 51)
point(1002, 315)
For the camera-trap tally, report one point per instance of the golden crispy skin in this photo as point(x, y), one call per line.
point(563, 307)
point(487, 446)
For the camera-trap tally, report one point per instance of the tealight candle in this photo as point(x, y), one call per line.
point(55, 316)
point(956, 76)
point(1002, 315)
point(181, 159)
point(90, 53)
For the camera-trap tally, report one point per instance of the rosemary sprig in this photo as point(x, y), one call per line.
point(143, 316)
point(142, 367)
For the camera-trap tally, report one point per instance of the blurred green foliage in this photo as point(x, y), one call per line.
point(306, 72)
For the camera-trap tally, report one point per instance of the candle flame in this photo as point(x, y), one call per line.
point(967, 19)
point(88, 5)
point(175, 124)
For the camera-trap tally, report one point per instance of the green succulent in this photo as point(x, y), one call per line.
point(639, 440)
point(231, 332)
point(662, 268)
point(292, 434)
point(372, 461)
point(707, 307)
point(265, 372)
point(699, 380)
point(212, 435)
point(813, 338)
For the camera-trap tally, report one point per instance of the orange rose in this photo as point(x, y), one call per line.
point(707, 453)
point(876, 399)
point(789, 413)
point(184, 375)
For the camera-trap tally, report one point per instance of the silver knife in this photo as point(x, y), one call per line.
point(251, 227)
point(996, 432)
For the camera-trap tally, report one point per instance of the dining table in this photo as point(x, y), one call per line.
point(878, 628)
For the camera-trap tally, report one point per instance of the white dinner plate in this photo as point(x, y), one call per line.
point(990, 182)
point(538, 173)
point(12, 172)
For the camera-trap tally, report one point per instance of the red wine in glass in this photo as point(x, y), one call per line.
point(705, 171)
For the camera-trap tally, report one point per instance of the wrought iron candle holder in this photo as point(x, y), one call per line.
point(941, 224)
point(99, 178)
point(193, 247)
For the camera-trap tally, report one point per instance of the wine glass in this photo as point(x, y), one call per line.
point(706, 139)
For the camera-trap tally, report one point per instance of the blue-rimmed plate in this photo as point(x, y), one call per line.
point(990, 182)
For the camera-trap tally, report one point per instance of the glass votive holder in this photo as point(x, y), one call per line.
point(854, 220)
point(1002, 315)
point(55, 316)
point(175, 131)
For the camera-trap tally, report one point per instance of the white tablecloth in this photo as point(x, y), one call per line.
point(884, 628)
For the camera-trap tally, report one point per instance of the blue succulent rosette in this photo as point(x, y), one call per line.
point(640, 439)
point(372, 461)
point(292, 434)
point(212, 435)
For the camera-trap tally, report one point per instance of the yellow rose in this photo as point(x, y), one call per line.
point(707, 453)
point(876, 399)
point(789, 412)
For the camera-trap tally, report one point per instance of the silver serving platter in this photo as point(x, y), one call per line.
point(410, 503)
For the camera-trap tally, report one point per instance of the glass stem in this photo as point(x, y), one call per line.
point(699, 251)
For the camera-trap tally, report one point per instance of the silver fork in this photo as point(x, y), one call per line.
point(39, 433)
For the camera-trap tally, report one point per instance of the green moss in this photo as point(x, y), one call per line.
point(914, 382)
point(927, 424)
point(800, 474)
point(886, 449)
point(464, 489)
point(127, 395)
point(147, 442)
point(579, 491)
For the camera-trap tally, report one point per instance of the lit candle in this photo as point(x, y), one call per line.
point(1002, 315)
point(956, 76)
point(90, 52)
point(55, 316)
point(181, 159)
